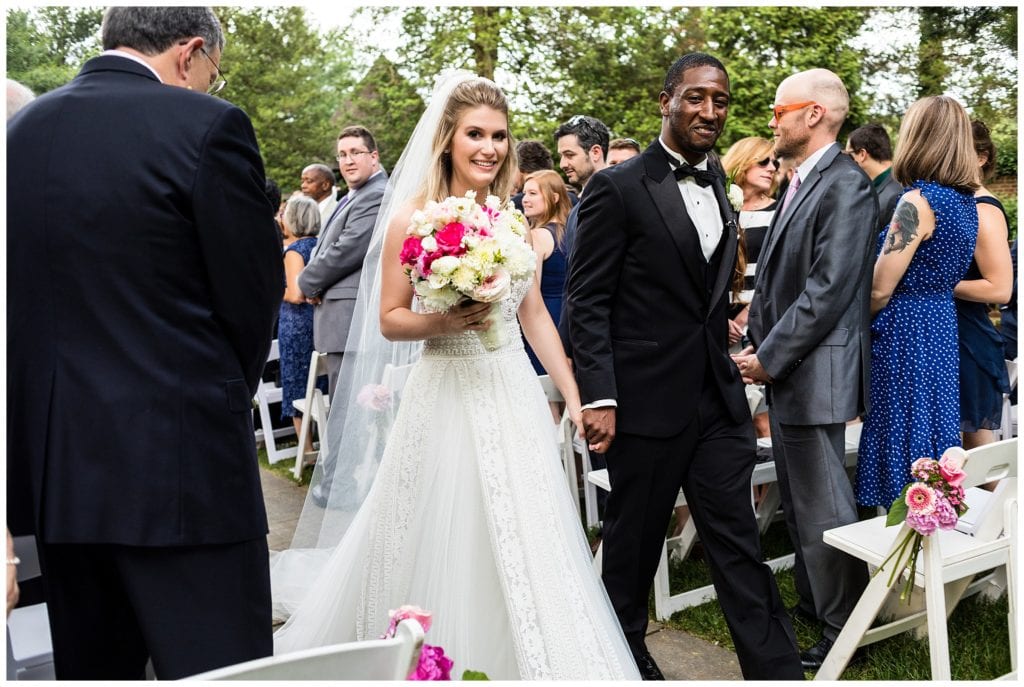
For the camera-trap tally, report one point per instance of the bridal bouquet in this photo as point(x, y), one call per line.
point(458, 249)
point(933, 501)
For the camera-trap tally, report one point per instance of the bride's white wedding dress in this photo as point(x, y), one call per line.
point(469, 517)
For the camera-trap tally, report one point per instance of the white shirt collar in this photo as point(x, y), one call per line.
point(703, 164)
point(134, 58)
point(807, 165)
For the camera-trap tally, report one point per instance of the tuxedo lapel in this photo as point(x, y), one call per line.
point(727, 265)
point(664, 191)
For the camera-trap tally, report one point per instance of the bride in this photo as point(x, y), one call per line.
point(467, 514)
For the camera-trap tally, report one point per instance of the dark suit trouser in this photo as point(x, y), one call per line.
point(712, 459)
point(817, 495)
point(190, 609)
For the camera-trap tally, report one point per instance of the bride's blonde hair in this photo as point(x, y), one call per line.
point(466, 96)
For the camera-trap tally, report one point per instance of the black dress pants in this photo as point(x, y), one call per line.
point(712, 460)
point(189, 609)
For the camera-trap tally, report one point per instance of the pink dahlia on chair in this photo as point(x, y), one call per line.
point(934, 501)
point(433, 664)
point(459, 249)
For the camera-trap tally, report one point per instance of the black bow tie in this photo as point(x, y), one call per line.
point(702, 176)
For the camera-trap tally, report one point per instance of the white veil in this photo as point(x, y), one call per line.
point(361, 411)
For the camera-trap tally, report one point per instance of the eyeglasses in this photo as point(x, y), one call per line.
point(768, 161)
point(354, 155)
point(779, 110)
point(218, 85)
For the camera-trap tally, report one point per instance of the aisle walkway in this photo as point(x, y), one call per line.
point(681, 656)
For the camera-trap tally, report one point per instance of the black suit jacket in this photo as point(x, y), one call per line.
point(144, 279)
point(648, 327)
point(888, 196)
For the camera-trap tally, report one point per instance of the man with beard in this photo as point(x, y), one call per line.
point(810, 326)
point(656, 246)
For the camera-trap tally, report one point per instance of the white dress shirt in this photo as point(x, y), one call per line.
point(701, 204)
point(134, 58)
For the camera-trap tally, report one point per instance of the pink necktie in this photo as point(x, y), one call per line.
point(791, 191)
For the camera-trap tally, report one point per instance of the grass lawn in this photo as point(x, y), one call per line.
point(978, 633)
point(284, 468)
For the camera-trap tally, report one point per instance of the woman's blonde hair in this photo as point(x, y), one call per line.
point(936, 144)
point(744, 154)
point(478, 92)
point(556, 198)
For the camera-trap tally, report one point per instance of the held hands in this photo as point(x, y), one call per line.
point(735, 332)
point(750, 367)
point(466, 316)
point(599, 428)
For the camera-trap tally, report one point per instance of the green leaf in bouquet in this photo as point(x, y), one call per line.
point(898, 510)
point(474, 675)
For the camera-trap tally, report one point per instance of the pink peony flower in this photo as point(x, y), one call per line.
point(945, 514)
point(433, 665)
point(951, 467)
point(494, 288)
point(449, 239)
point(404, 612)
point(411, 249)
point(376, 397)
point(921, 499)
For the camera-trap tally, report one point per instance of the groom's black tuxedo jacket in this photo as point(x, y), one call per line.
point(144, 278)
point(649, 314)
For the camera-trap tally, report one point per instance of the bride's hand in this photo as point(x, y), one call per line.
point(467, 316)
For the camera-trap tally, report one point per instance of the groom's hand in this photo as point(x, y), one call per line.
point(599, 428)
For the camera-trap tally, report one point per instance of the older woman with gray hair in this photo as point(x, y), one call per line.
point(300, 223)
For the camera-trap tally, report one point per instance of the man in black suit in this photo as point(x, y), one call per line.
point(655, 251)
point(870, 148)
point(144, 279)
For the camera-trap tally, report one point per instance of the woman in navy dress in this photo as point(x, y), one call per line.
point(300, 223)
point(983, 376)
point(546, 206)
point(924, 253)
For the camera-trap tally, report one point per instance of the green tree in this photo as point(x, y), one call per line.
point(290, 80)
point(386, 104)
point(47, 46)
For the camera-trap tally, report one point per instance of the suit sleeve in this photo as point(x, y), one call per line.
point(569, 239)
point(598, 254)
point(238, 239)
point(346, 254)
point(847, 214)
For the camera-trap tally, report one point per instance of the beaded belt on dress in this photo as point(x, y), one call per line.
point(468, 345)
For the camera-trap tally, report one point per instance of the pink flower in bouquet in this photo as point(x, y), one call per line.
point(494, 288)
point(921, 499)
point(376, 397)
point(449, 239)
point(412, 247)
point(433, 665)
point(951, 467)
point(404, 612)
point(925, 524)
point(946, 514)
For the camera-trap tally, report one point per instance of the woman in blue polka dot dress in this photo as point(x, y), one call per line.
point(923, 253)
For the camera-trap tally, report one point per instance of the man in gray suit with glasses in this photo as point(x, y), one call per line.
point(331, 278)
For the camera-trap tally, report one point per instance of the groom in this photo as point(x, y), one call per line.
point(655, 252)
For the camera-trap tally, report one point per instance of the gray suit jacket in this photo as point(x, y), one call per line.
point(810, 314)
point(336, 264)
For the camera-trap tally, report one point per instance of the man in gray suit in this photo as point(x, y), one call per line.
point(331, 278)
point(810, 327)
point(870, 148)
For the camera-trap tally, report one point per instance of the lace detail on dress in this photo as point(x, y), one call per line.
point(467, 344)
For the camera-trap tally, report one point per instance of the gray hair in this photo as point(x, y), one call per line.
point(323, 170)
point(302, 215)
point(152, 30)
point(18, 96)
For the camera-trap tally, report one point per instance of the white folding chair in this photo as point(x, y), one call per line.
point(268, 393)
point(373, 659)
point(947, 561)
point(29, 646)
point(1008, 422)
point(568, 446)
point(314, 408)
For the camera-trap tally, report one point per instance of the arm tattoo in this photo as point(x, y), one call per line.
point(903, 228)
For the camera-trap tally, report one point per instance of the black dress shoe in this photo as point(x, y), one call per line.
point(815, 656)
point(648, 668)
